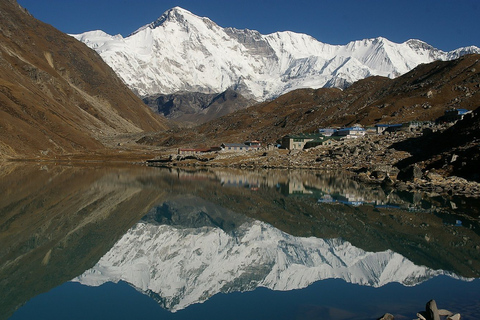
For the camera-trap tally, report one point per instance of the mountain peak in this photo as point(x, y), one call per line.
point(419, 44)
point(193, 53)
point(175, 15)
point(179, 10)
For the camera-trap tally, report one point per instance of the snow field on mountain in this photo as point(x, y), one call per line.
point(183, 52)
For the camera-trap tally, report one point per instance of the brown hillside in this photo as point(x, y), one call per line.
point(57, 96)
point(422, 94)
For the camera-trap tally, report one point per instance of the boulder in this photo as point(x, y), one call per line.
point(421, 316)
point(433, 176)
point(410, 173)
point(445, 313)
point(379, 175)
point(387, 316)
point(432, 310)
point(387, 182)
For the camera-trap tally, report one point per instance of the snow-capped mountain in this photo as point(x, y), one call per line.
point(180, 266)
point(183, 52)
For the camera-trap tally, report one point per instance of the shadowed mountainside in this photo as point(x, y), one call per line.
point(57, 96)
point(193, 108)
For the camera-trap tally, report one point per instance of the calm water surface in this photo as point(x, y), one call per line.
point(129, 243)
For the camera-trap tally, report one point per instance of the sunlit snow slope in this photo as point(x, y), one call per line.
point(183, 52)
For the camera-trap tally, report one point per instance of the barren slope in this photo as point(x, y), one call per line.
point(57, 96)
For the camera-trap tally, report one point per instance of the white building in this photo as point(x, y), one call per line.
point(351, 132)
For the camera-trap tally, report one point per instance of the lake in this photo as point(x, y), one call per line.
point(89, 242)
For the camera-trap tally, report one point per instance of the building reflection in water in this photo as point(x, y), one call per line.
point(328, 187)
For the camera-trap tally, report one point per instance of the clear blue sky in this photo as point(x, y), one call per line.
point(445, 24)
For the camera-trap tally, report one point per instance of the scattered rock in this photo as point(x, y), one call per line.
point(387, 182)
point(373, 159)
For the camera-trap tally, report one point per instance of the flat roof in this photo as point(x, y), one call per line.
point(235, 145)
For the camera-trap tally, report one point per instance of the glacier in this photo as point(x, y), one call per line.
point(184, 52)
point(181, 266)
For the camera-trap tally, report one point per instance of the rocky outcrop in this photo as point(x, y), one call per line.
point(387, 316)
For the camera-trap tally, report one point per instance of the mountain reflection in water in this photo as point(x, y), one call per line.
point(216, 231)
point(181, 266)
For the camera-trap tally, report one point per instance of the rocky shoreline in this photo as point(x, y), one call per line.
point(372, 159)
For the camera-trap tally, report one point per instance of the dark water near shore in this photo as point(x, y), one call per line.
point(125, 243)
